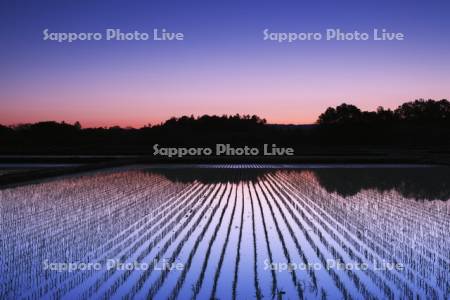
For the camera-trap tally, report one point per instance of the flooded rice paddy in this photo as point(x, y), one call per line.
point(229, 232)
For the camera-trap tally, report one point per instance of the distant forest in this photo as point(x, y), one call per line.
point(417, 123)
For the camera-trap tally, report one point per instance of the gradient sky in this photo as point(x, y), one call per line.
point(223, 66)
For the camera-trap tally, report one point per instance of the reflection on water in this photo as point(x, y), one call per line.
point(421, 183)
point(236, 233)
point(211, 175)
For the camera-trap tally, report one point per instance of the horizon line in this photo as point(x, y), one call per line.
point(142, 124)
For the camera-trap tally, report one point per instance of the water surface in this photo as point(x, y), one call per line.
point(235, 231)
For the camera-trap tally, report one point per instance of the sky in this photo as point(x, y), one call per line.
point(223, 65)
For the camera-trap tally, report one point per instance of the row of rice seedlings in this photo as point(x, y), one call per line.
point(262, 274)
point(435, 211)
point(149, 286)
point(274, 285)
point(304, 222)
point(37, 200)
point(338, 255)
point(212, 240)
point(48, 249)
point(180, 283)
point(219, 247)
point(429, 234)
point(236, 271)
point(287, 283)
point(425, 256)
point(281, 237)
point(138, 198)
point(351, 248)
point(356, 246)
point(311, 275)
point(411, 213)
point(389, 273)
point(415, 235)
point(129, 237)
point(83, 273)
point(35, 230)
point(245, 272)
point(68, 226)
point(326, 237)
point(318, 242)
point(145, 245)
point(224, 248)
point(238, 251)
point(411, 257)
point(153, 285)
point(420, 223)
point(431, 242)
point(167, 240)
point(258, 292)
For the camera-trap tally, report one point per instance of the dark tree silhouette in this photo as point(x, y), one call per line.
point(424, 110)
point(342, 114)
point(412, 124)
point(384, 115)
point(417, 111)
point(208, 123)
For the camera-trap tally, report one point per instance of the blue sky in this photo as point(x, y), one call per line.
point(222, 66)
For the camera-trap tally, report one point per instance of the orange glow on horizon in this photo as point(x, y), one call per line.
point(137, 123)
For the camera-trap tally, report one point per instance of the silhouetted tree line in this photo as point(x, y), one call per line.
point(416, 111)
point(215, 123)
point(417, 123)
